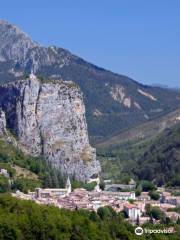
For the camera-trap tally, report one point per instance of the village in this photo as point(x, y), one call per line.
point(134, 207)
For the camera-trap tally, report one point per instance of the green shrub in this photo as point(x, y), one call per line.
point(4, 184)
point(147, 186)
point(154, 195)
point(24, 184)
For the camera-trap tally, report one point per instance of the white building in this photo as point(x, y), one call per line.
point(54, 192)
point(4, 172)
point(132, 211)
point(144, 197)
point(121, 195)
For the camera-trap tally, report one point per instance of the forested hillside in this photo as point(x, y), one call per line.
point(156, 158)
point(161, 160)
point(40, 172)
point(25, 220)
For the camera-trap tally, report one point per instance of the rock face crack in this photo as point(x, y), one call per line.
point(36, 109)
point(50, 121)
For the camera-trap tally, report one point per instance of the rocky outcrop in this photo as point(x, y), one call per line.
point(49, 119)
point(3, 130)
point(15, 44)
point(5, 133)
point(18, 46)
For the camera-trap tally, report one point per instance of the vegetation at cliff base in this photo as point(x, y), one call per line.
point(10, 157)
point(87, 186)
point(4, 185)
point(46, 174)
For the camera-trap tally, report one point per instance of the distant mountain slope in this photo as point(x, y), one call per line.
point(155, 158)
point(113, 102)
point(161, 160)
point(145, 130)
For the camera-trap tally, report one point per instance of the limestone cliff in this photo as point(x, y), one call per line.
point(48, 119)
point(3, 130)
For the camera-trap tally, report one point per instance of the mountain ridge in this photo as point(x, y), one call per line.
point(109, 97)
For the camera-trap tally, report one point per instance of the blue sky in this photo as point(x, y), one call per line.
point(137, 38)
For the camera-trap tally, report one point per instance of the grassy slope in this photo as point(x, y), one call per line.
point(25, 173)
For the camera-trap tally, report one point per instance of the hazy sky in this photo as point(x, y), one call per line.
point(137, 38)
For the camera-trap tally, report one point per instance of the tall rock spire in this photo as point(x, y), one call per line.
point(49, 120)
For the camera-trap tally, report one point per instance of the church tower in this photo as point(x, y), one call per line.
point(68, 185)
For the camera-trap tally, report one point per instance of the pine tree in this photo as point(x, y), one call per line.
point(137, 221)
